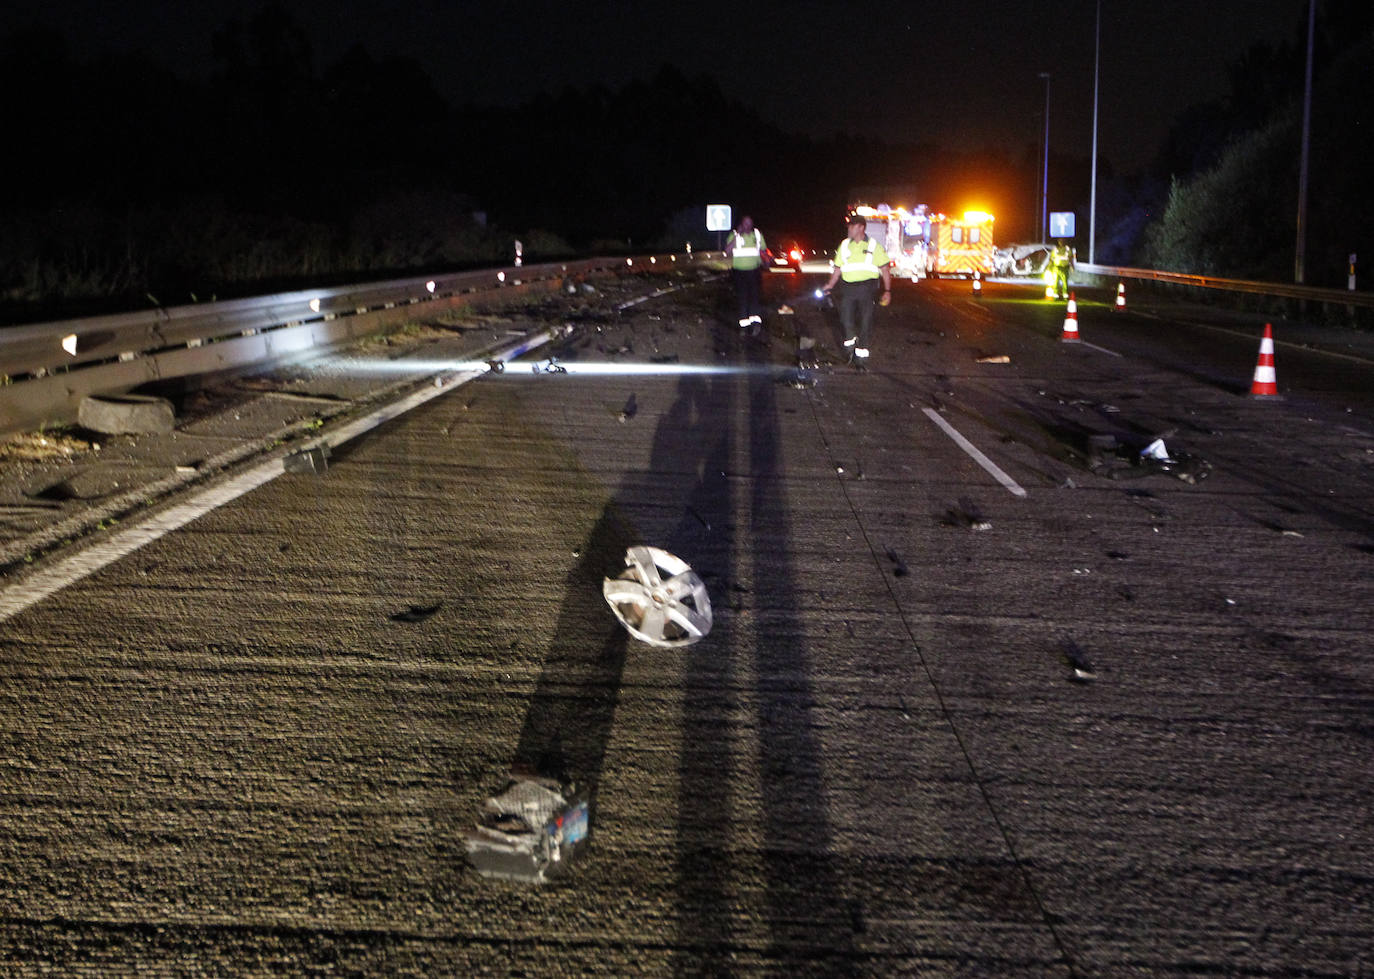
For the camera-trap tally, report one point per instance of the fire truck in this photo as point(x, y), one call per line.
point(902, 234)
point(922, 242)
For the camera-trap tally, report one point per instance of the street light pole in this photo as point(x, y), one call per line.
point(1045, 172)
point(1092, 196)
point(1300, 250)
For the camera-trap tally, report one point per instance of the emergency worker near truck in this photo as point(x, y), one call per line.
point(860, 262)
point(746, 249)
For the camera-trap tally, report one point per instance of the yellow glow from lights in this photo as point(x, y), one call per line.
point(977, 217)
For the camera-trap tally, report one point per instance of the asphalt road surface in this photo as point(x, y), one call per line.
point(986, 694)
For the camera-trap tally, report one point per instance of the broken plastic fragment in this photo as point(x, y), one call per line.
point(1156, 450)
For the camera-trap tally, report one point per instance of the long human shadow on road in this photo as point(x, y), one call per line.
point(569, 722)
point(813, 922)
point(810, 924)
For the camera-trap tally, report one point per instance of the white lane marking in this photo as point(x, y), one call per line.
point(973, 452)
point(1085, 343)
point(48, 581)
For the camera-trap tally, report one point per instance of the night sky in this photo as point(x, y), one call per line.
point(964, 75)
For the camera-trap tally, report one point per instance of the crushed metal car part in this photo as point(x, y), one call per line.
point(312, 460)
point(659, 599)
point(529, 832)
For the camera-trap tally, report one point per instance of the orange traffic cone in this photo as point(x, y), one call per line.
point(1120, 297)
point(1070, 334)
point(1265, 384)
point(977, 283)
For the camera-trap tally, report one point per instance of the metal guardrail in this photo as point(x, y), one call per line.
point(1342, 297)
point(48, 368)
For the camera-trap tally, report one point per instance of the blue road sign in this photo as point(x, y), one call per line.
point(718, 217)
point(1061, 224)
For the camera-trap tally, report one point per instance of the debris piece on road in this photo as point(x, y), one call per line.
point(785, 310)
point(659, 599)
point(995, 359)
point(1077, 660)
point(311, 460)
point(1156, 450)
point(416, 613)
point(966, 514)
point(700, 519)
point(630, 410)
point(529, 832)
point(899, 568)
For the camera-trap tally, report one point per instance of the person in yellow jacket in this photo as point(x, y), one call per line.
point(860, 262)
point(745, 250)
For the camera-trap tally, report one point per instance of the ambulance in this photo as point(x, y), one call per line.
point(959, 246)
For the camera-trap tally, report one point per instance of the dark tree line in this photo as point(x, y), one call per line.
point(131, 185)
point(1222, 198)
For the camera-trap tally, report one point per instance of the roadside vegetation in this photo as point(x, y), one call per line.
point(130, 186)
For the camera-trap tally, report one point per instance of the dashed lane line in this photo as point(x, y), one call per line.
point(1012, 486)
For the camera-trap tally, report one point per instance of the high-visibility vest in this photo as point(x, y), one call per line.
point(858, 268)
point(747, 256)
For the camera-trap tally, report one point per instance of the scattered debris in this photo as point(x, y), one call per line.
point(35, 446)
point(899, 568)
point(528, 832)
point(416, 613)
point(801, 378)
point(785, 310)
point(630, 410)
point(995, 359)
point(1109, 456)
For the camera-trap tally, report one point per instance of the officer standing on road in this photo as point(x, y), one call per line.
point(859, 262)
point(745, 250)
point(1061, 260)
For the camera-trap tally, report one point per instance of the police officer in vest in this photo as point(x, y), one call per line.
point(745, 249)
point(1061, 261)
point(860, 262)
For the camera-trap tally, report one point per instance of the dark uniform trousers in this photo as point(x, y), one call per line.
point(856, 309)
